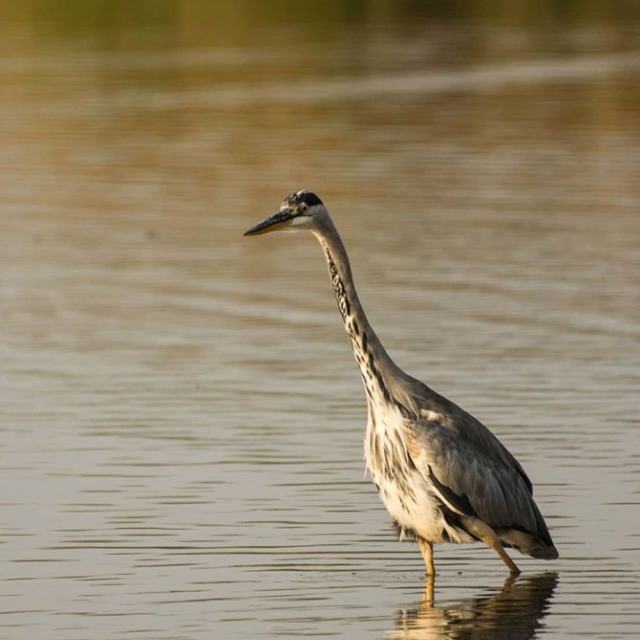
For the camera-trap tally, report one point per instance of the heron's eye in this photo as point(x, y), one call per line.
point(303, 207)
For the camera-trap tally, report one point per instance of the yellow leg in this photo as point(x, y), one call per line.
point(485, 533)
point(426, 549)
point(427, 595)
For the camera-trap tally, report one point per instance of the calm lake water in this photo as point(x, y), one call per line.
point(181, 417)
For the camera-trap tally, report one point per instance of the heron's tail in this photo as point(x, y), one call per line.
point(544, 552)
point(529, 544)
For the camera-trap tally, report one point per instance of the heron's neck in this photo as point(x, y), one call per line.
point(376, 366)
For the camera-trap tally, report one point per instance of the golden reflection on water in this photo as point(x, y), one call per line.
point(182, 419)
point(515, 612)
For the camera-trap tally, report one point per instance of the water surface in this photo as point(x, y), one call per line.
point(182, 420)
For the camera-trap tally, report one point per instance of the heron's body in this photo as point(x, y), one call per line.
point(441, 474)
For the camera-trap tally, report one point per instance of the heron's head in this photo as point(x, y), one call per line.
point(299, 211)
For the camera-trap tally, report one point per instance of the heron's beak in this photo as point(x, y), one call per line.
point(272, 223)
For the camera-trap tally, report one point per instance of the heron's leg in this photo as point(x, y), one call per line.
point(427, 595)
point(484, 532)
point(426, 549)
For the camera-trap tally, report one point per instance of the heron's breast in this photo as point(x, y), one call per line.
point(403, 490)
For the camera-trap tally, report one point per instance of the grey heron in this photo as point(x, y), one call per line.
point(441, 474)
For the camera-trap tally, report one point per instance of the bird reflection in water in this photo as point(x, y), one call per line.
point(514, 612)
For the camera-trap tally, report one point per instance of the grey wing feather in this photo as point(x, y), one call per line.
point(475, 474)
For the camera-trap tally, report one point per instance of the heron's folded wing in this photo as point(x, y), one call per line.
point(473, 481)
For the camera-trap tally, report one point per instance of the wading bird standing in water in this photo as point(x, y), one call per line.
point(441, 474)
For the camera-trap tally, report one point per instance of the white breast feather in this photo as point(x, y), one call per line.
point(415, 509)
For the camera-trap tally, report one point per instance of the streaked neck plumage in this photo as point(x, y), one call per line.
point(385, 383)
